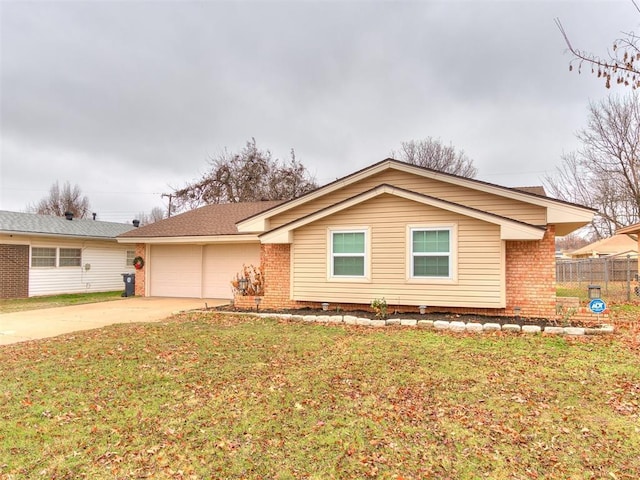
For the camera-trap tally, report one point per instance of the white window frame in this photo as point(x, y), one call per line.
point(452, 254)
point(60, 257)
point(55, 257)
point(129, 256)
point(366, 255)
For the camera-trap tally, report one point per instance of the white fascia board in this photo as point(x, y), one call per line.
point(510, 230)
point(192, 240)
point(55, 235)
point(520, 232)
point(569, 213)
point(255, 224)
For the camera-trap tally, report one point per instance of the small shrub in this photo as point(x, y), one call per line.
point(255, 281)
point(379, 306)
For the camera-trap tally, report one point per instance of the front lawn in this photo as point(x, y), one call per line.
point(8, 305)
point(206, 395)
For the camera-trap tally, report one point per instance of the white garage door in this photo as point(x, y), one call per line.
point(176, 271)
point(222, 263)
point(198, 271)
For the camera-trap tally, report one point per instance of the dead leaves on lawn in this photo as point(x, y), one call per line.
point(216, 396)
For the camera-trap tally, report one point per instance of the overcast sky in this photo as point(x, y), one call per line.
point(129, 99)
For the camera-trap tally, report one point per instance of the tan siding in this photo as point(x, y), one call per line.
point(506, 207)
point(479, 256)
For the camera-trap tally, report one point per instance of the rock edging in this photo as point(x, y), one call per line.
point(454, 326)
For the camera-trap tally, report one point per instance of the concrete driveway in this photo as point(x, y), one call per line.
point(49, 322)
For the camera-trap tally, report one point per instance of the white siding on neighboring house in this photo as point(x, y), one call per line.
point(106, 261)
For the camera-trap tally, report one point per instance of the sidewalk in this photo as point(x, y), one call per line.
point(50, 322)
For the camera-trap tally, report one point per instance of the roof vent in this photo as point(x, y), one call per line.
point(68, 215)
point(136, 223)
point(94, 215)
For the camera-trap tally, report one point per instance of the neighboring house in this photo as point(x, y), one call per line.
point(632, 230)
point(412, 235)
point(616, 245)
point(46, 255)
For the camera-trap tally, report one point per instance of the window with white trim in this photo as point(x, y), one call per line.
point(431, 252)
point(43, 257)
point(348, 253)
point(131, 254)
point(70, 257)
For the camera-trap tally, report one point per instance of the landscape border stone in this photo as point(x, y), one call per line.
point(455, 326)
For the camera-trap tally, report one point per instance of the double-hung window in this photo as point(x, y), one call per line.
point(348, 253)
point(43, 257)
point(70, 257)
point(131, 254)
point(52, 257)
point(431, 253)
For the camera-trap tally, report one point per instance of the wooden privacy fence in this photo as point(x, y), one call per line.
point(617, 276)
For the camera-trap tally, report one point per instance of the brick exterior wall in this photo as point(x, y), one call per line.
point(531, 276)
point(530, 282)
point(275, 260)
point(140, 274)
point(14, 271)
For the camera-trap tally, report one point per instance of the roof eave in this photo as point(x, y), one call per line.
point(509, 229)
point(260, 222)
point(635, 228)
point(56, 235)
point(193, 239)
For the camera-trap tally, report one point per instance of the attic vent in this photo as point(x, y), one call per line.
point(68, 215)
point(136, 223)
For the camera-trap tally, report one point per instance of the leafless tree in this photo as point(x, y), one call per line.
point(59, 201)
point(621, 66)
point(605, 172)
point(570, 242)
point(155, 215)
point(250, 175)
point(432, 153)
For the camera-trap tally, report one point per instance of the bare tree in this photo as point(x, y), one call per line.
point(572, 241)
point(155, 215)
point(432, 153)
point(250, 175)
point(60, 201)
point(605, 172)
point(623, 65)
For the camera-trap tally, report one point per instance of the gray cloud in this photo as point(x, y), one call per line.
point(129, 98)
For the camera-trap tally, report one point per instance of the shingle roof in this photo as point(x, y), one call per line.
point(535, 189)
point(210, 220)
point(31, 223)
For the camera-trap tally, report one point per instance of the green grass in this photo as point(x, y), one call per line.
point(33, 303)
point(206, 395)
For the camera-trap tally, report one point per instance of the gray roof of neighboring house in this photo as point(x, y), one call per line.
point(34, 224)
